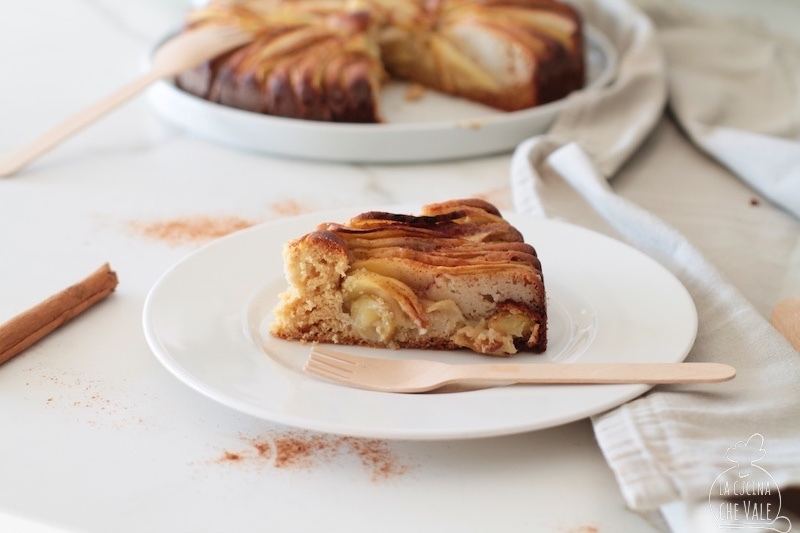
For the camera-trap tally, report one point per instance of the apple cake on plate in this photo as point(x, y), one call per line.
point(458, 276)
point(327, 59)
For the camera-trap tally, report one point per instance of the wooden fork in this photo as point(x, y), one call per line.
point(414, 375)
point(181, 53)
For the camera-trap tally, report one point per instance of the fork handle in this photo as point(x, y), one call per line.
point(590, 373)
point(57, 134)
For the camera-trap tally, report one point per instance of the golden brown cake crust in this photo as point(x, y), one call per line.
point(458, 275)
point(327, 60)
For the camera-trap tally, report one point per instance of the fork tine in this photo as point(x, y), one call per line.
point(334, 367)
point(335, 356)
point(313, 367)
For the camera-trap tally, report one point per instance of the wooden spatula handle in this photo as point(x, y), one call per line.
point(588, 373)
point(55, 135)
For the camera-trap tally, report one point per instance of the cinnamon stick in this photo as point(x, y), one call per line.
point(30, 326)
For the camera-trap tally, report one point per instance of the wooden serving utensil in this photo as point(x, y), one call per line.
point(181, 53)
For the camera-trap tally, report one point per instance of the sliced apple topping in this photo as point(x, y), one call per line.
point(397, 296)
point(373, 318)
point(447, 308)
point(499, 334)
point(292, 41)
point(484, 340)
point(459, 70)
point(557, 26)
point(499, 56)
point(445, 317)
point(514, 324)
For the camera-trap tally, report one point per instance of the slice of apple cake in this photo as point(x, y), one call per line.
point(458, 276)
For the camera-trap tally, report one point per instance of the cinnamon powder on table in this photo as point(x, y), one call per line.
point(376, 456)
point(190, 229)
point(84, 399)
point(288, 208)
point(263, 449)
point(303, 450)
point(230, 457)
point(296, 450)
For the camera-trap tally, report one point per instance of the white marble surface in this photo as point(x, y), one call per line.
point(97, 437)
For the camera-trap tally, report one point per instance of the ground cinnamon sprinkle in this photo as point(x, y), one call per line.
point(296, 450)
point(230, 457)
point(288, 208)
point(263, 449)
point(190, 229)
point(376, 456)
point(85, 398)
point(304, 450)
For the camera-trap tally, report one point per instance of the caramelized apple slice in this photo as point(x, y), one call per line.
point(394, 293)
point(458, 70)
point(373, 318)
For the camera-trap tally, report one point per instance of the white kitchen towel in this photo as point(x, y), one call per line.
point(735, 89)
point(612, 122)
point(670, 444)
point(732, 85)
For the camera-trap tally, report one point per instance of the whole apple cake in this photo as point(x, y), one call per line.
point(458, 276)
point(327, 59)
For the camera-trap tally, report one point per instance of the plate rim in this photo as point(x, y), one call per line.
point(312, 424)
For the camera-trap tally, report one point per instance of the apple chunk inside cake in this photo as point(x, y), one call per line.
point(458, 276)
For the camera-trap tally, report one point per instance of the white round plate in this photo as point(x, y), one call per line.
point(436, 127)
point(206, 321)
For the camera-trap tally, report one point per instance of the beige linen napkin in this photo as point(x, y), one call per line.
point(671, 444)
point(735, 89)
